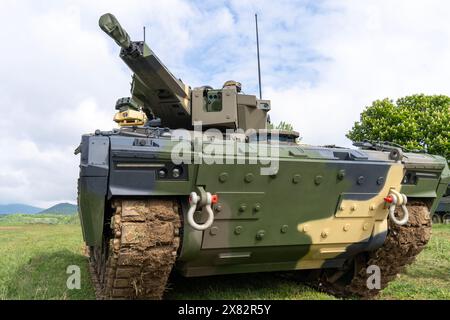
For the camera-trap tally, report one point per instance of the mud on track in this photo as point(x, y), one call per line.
point(402, 245)
point(138, 256)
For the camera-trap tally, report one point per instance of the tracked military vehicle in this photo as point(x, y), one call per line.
point(159, 194)
point(442, 212)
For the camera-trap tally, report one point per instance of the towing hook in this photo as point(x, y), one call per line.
point(196, 201)
point(395, 199)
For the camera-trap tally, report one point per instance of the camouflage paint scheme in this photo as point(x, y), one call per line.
point(323, 205)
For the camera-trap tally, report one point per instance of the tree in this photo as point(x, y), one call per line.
point(418, 122)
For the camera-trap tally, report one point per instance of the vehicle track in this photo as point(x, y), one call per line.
point(138, 254)
point(401, 247)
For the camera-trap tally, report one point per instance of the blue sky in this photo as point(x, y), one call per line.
point(322, 63)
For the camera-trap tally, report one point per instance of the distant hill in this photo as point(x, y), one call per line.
point(18, 208)
point(61, 208)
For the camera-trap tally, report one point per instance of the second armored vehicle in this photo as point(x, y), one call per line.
point(194, 182)
point(442, 212)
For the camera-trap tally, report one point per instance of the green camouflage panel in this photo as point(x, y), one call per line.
point(313, 213)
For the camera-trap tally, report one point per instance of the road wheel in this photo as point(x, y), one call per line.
point(446, 218)
point(436, 218)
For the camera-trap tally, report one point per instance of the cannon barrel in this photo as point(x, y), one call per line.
point(154, 87)
point(111, 26)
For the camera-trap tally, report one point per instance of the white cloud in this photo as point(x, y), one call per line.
point(322, 61)
point(374, 49)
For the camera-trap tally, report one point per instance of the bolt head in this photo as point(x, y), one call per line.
point(243, 207)
point(162, 173)
point(176, 173)
point(238, 230)
point(260, 234)
point(214, 231)
point(249, 177)
point(361, 180)
point(223, 177)
point(318, 180)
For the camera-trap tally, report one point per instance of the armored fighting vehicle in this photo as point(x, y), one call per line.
point(442, 212)
point(193, 181)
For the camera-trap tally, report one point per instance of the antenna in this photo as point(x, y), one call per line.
point(144, 34)
point(259, 61)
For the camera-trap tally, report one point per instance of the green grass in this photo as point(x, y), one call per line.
point(34, 258)
point(20, 219)
point(263, 286)
point(429, 276)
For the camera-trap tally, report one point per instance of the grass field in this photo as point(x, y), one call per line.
point(34, 259)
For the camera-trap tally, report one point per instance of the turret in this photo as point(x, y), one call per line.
point(161, 95)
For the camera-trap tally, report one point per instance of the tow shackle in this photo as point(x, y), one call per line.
point(395, 199)
point(196, 201)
